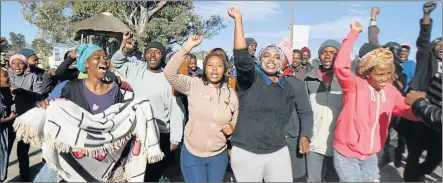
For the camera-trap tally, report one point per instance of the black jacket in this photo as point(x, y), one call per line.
point(428, 113)
point(73, 91)
point(427, 65)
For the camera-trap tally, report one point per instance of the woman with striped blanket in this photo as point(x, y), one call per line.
point(95, 96)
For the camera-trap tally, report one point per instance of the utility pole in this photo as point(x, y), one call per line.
point(292, 22)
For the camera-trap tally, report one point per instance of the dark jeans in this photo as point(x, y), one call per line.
point(197, 169)
point(155, 171)
point(23, 157)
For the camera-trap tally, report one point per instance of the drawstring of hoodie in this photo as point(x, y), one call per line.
point(382, 92)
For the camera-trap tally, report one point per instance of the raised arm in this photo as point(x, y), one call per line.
point(373, 30)
point(61, 70)
point(342, 65)
point(424, 37)
point(242, 59)
point(182, 83)
point(120, 58)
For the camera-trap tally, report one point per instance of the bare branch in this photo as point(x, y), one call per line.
point(158, 7)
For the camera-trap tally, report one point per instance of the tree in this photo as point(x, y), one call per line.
point(18, 41)
point(200, 54)
point(4, 45)
point(41, 46)
point(169, 22)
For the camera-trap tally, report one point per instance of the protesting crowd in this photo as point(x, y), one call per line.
point(275, 116)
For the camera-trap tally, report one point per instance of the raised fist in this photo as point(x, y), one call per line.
point(429, 6)
point(128, 41)
point(375, 11)
point(357, 27)
point(194, 40)
point(234, 12)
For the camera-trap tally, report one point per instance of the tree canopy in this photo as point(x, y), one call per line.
point(169, 22)
point(18, 42)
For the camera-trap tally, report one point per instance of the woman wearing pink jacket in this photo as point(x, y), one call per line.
point(369, 102)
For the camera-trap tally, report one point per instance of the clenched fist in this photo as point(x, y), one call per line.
point(356, 27)
point(429, 6)
point(375, 11)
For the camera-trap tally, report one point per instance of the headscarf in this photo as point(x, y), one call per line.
point(376, 57)
point(262, 51)
point(285, 46)
point(27, 53)
point(83, 53)
point(226, 73)
point(18, 56)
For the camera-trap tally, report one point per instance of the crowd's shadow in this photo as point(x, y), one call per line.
point(33, 172)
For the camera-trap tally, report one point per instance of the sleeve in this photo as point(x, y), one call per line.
point(176, 119)
point(342, 65)
point(245, 69)
point(180, 82)
point(424, 37)
point(373, 31)
point(426, 112)
point(304, 110)
point(37, 85)
point(234, 100)
point(401, 108)
point(120, 61)
point(47, 83)
point(64, 67)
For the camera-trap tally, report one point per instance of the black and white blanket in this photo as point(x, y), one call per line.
point(83, 147)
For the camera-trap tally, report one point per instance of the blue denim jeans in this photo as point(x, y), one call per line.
point(355, 170)
point(197, 169)
point(46, 175)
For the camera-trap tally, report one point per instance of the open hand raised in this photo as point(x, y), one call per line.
point(194, 41)
point(357, 27)
point(234, 12)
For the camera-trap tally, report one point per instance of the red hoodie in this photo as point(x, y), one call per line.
point(362, 126)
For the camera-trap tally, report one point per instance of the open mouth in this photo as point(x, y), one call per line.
point(270, 65)
point(102, 68)
point(214, 76)
point(152, 61)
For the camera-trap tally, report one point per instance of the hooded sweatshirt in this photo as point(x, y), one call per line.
point(326, 98)
point(209, 109)
point(362, 126)
point(153, 86)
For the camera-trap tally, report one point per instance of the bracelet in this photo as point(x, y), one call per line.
point(373, 19)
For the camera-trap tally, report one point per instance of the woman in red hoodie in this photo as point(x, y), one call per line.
point(369, 101)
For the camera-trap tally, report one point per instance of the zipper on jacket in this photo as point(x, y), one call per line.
point(212, 126)
point(375, 124)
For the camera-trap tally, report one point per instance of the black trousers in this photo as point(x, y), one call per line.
point(155, 171)
point(23, 157)
point(419, 138)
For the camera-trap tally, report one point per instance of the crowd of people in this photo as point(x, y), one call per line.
point(275, 116)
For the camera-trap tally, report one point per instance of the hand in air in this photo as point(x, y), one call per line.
point(194, 41)
point(234, 13)
point(128, 47)
point(356, 27)
point(428, 7)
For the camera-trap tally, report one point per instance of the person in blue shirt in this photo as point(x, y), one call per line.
point(407, 65)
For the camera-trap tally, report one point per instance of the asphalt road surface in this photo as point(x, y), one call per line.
point(388, 173)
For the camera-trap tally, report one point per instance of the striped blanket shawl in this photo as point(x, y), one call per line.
point(83, 147)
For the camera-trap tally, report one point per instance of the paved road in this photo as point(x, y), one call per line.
point(388, 173)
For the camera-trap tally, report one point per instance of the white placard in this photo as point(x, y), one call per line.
point(300, 36)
